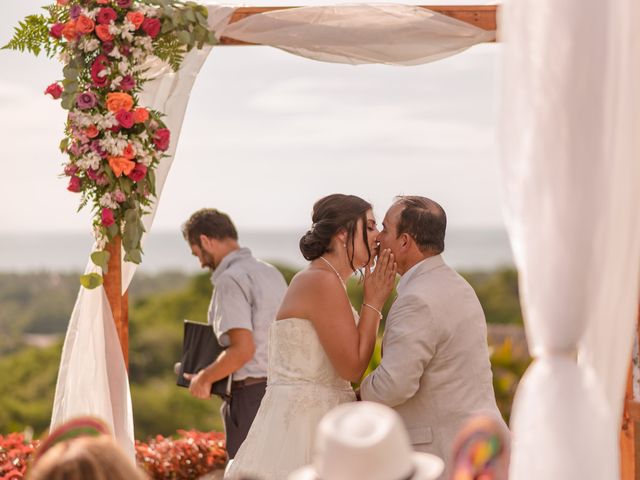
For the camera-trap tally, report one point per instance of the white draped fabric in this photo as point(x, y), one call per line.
point(571, 165)
point(92, 377)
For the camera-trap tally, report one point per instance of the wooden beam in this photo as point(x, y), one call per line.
point(481, 16)
point(119, 303)
point(629, 447)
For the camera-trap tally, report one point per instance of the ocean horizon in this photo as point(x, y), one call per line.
point(465, 249)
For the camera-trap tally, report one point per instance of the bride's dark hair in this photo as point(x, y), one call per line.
point(330, 215)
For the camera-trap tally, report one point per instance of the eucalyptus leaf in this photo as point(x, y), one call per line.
point(112, 230)
point(64, 143)
point(91, 280)
point(167, 26)
point(134, 255)
point(184, 37)
point(101, 259)
point(201, 19)
point(189, 15)
point(70, 73)
point(67, 101)
point(211, 38)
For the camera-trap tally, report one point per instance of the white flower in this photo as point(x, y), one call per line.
point(144, 136)
point(101, 239)
point(115, 83)
point(114, 29)
point(124, 67)
point(148, 10)
point(89, 13)
point(91, 45)
point(115, 53)
point(126, 35)
point(82, 120)
point(64, 57)
point(143, 157)
point(90, 160)
point(106, 121)
point(107, 201)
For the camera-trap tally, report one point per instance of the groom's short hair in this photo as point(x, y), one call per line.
point(424, 220)
point(211, 223)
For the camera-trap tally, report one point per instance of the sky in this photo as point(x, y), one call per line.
point(267, 133)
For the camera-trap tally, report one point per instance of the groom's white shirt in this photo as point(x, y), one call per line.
point(435, 370)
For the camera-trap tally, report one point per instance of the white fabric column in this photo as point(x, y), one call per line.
point(571, 175)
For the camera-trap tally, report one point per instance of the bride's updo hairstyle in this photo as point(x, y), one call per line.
point(330, 215)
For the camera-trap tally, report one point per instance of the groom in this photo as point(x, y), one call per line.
point(435, 369)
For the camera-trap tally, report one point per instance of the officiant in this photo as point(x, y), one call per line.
point(246, 296)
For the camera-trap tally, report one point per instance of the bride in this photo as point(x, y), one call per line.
point(318, 344)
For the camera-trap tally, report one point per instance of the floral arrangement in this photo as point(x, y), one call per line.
point(15, 454)
point(191, 455)
point(114, 143)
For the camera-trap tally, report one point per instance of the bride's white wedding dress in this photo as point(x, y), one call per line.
point(302, 387)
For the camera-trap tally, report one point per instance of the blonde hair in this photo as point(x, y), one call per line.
point(96, 458)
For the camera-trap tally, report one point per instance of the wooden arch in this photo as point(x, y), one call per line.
point(481, 16)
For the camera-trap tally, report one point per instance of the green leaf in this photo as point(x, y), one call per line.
point(134, 255)
point(32, 34)
point(101, 259)
point(184, 37)
point(68, 100)
point(112, 231)
point(189, 15)
point(167, 26)
point(211, 38)
point(201, 19)
point(70, 73)
point(91, 280)
point(64, 143)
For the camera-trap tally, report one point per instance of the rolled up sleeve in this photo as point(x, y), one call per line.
point(232, 308)
point(408, 346)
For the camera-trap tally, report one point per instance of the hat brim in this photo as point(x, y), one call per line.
point(428, 467)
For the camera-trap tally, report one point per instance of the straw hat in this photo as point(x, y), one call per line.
point(366, 440)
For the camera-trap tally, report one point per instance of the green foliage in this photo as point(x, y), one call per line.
point(91, 280)
point(43, 302)
point(32, 35)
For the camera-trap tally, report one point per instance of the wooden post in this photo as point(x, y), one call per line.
point(119, 303)
point(629, 434)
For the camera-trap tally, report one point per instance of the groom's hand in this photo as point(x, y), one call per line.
point(199, 386)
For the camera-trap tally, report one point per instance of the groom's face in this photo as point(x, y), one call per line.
point(388, 237)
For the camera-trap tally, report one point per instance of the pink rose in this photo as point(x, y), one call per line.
point(102, 180)
point(70, 169)
point(107, 46)
point(123, 3)
point(151, 26)
point(127, 83)
point(125, 118)
point(93, 174)
point(106, 15)
point(95, 146)
point(56, 30)
point(161, 138)
point(100, 64)
point(138, 172)
point(118, 196)
point(107, 217)
point(74, 184)
point(55, 90)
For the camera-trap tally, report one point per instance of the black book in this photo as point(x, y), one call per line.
point(200, 348)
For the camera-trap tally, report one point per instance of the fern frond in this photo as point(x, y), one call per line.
point(32, 34)
point(171, 50)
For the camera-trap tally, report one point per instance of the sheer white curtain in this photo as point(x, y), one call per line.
point(92, 377)
point(571, 175)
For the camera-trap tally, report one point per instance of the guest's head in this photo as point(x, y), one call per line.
point(414, 229)
point(343, 226)
point(211, 236)
point(79, 450)
point(481, 450)
point(366, 440)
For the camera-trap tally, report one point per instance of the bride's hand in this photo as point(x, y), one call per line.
point(379, 282)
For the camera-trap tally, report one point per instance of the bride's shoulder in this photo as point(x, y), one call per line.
point(315, 279)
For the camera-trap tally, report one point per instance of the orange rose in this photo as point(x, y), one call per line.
point(136, 18)
point(117, 101)
point(84, 25)
point(103, 33)
point(62, 2)
point(69, 30)
point(129, 152)
point(121, 165)
point(91, 131)
point(140, 115)
point(103, 2)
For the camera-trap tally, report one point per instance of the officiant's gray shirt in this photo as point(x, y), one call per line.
point(247, 294)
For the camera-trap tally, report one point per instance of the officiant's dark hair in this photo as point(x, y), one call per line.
point(330, 215)
point(210, 222)
point(425, 221)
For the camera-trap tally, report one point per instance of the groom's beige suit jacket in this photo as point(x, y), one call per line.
point(435, 369)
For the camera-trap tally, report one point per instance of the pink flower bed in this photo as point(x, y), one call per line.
point(190, 455)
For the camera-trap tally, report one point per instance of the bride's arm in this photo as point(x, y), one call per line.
point(349, 347)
